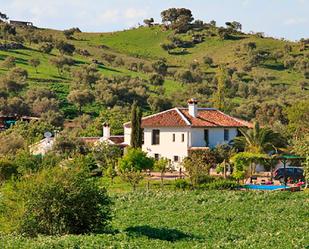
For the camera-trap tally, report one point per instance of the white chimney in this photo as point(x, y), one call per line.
point(106, 131)
point(192, 106)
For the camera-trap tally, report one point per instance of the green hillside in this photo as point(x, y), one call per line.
point(268, 76)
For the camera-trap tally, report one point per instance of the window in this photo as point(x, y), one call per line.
point(157, 156)
point(174, 137)
point(206, 136)
point(155, 137)
point(182, 137)
point(176, 158)
point(226, 135)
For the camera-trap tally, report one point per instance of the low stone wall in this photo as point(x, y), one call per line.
point(11, 45)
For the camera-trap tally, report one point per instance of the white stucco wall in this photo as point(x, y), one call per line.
point(167, 148)
point(216, 136)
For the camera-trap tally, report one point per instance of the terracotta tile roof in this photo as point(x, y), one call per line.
point(169, 118)
point(208, 117)
point(89, 140)
point(179, 117)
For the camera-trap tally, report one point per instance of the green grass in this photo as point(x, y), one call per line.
point(210, 219)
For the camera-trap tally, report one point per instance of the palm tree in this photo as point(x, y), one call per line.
point(259, 140)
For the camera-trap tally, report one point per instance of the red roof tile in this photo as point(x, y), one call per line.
point(212, 118)
point(180, 117)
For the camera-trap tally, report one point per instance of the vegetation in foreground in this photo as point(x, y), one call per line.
point(211, 219)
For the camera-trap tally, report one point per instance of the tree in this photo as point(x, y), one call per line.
point(244, 163)
point(60, 62)
point(136, 129)
point(259, 140)
point(156, 79)
point(65, 48)
point(80, 98)
point(11, 143)
point(68, 33)
point(158, 104)
point(7, 169)
point(87, 75)
point(132, 165)
point(57, 201)
point(9, 62)
point(3, 17)
point(53, 118)
point(208, 61)
point(43, 105)
point(107, 156)
point(298, 118)
point(162, 165)
point(7, 30)
point(68, 145)
point(177, 18)
point(160, 67)
point(35, 62)
point(46, 47)
point(195, 167)
point(219, 95)
point(149, 22)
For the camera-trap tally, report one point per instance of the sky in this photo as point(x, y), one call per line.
point(287, 19)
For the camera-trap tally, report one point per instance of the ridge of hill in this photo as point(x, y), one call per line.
point(264, 74)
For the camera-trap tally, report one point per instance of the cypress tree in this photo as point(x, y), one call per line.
point(139, 115)
point(136, 129)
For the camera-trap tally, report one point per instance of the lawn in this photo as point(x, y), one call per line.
point(210, 219)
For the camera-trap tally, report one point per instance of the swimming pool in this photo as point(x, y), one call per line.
point(265, 187)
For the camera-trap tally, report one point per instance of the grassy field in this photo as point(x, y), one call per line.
point(210, 219)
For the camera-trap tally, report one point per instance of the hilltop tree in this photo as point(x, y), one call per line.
point(3, 17)
point(80, 98)
point(7, 30)
point(136, 129)
point(235, 26)
point(149, 22)
point(177, 18)
point(35, 62)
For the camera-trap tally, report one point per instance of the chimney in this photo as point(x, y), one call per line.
point(192, 106)
point(106, 131)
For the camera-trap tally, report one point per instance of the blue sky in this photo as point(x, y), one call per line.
point(278, 18)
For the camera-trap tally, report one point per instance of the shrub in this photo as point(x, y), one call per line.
point(55, 201)
point(7, 169)
point(220, 185)
point(182, 184)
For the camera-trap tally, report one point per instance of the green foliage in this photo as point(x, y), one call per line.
point(7, 169)
point(162, 165)
point(259, 140)
point(27, 163)
point(242, 163)
point(56, 201)
point(182, 184)
point(132, 165)
point(221, 184)
point(198, 164)
point(136, 129)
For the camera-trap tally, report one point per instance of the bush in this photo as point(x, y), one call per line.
point(55, 201)
point(220, 185)
point(182, 184)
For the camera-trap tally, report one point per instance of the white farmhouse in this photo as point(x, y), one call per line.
point(174, 132)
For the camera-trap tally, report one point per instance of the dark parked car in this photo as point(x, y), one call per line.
point(292, 173)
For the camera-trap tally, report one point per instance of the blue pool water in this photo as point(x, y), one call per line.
point(264, 187)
